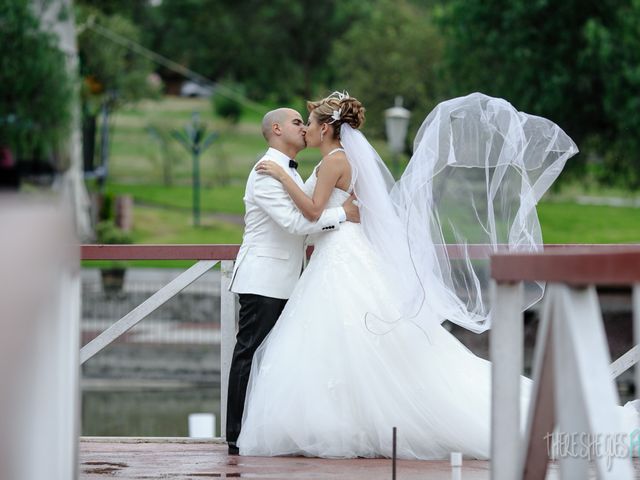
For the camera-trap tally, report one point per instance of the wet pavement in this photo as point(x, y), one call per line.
point(182, 459)
point(198, 460)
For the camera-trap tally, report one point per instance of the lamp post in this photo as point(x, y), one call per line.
point(196, 140)
point(396, 123)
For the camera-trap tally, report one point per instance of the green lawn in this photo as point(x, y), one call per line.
point(163, 214)
point(155, 225)
point(219, 199)
point(572, 223)
point(136, 155)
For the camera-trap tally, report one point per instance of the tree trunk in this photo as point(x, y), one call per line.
point(57, 16)
point(89, 142)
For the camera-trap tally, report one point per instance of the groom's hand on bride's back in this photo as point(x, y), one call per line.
point(351, 209)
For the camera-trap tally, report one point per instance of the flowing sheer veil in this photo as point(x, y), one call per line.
point(478, 170)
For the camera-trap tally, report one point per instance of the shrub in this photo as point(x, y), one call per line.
point(225, 104)
point(35, 104)
point(108, 233)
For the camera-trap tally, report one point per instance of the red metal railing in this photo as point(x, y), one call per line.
point(571, 358)
point(229, 252)
point(159, 252)
point(605, 265)
point(575, 264)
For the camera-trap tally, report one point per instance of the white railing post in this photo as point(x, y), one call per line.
point(228, 322)
point(65, 343)
point(585, 395)
point(636, 328)
point(571, 417)
point(506, 347)
point(540, 415)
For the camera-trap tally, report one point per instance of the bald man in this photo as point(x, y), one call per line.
point(270, 258)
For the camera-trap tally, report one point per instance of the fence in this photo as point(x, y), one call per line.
point(571, 265)
point(573, 385)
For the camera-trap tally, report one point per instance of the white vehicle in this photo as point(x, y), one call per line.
point(194, 89)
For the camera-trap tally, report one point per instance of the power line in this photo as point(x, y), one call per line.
point(171, 65)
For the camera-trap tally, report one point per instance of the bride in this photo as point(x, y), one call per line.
point(359, 347)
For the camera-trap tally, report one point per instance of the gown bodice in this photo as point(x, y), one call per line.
point(338, 196)
point(336, 199)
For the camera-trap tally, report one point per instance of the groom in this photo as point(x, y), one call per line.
point(270, 258)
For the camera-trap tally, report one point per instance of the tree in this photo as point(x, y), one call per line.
point(394, 51)
point(300, 48)
point(112, 74)
point(574, 62)
point(108, 66)
point(278, 49)
point(36, 89)
point(614, 51)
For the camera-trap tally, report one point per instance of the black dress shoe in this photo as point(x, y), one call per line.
point(233, 450)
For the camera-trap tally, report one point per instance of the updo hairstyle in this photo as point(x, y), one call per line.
point(337, 109)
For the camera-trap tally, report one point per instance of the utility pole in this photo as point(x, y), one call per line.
point(57, 16)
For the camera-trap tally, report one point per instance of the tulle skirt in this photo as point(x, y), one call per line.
point(337, 372)
point(333, 377)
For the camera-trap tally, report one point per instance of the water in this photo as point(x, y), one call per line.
point(178, 350)
point(146, 412)
point(148, 382)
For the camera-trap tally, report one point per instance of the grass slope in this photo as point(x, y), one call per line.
point(163, 214)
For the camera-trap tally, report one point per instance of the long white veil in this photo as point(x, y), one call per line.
point(478, 170)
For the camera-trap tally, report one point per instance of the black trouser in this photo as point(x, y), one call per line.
point(258, 315)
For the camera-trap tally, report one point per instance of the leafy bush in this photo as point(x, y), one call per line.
point(109, 234)
point(225, 104)
point(35, 108)
point(106, 208)
point(110, 71)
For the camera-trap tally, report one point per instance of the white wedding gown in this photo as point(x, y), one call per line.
point(344, 364)
point(324, 383)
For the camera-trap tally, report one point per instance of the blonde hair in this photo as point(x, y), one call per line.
point(336, 109)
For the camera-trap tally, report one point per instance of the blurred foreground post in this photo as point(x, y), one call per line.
point(57, 16)
point(39, 340)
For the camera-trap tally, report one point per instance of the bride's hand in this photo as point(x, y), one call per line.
point(269, 167)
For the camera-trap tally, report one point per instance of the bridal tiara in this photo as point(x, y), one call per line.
point(339, 95)
point(335, 116)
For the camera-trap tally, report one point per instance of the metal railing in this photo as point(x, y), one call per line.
point(207, 256)
point(573, 380)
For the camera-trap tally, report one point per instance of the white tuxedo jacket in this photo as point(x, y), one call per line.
point(270, 258)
